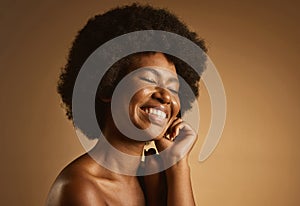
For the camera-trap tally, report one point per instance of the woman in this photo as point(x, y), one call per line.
point(155, 108)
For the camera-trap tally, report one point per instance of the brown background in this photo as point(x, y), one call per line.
point(255, 46)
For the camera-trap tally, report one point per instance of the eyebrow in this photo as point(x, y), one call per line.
point(172, 79)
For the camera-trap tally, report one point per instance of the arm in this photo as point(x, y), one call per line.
point(179, 184)
point(178, 175)
point(154, 185)
point(172, 186)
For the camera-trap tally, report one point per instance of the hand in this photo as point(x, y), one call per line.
point(179, 141)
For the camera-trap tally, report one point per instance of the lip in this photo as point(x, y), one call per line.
point(158, 107)
point(155, 119)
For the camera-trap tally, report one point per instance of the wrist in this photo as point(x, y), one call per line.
point(182, 166)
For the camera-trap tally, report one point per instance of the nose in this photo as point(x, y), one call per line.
point(162, 95)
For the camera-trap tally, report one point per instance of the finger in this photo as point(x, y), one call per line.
point(172, 129)
point(176, 128)
point(168, 135)
point(185, 133)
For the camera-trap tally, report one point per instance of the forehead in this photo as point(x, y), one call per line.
point(153, 60)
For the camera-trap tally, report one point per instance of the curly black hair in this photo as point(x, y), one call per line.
point(118, 21)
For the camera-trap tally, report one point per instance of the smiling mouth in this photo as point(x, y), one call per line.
point(155, 112)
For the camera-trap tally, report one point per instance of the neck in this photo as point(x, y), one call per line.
point(118, 153)
point(114, 159)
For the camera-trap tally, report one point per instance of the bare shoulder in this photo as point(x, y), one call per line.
point(76, 185)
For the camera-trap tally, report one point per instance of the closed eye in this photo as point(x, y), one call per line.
point(173, 91)
point(152, 81)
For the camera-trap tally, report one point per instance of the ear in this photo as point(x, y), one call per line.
point(105, 100)
point(105, 94)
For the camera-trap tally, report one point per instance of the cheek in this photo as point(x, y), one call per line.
point(138, 98)
point(176, 105)
point(140, 95)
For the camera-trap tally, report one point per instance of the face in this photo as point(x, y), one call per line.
point(156, 102)
point(146, 101)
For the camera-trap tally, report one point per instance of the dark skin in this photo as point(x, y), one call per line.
point(84, 182)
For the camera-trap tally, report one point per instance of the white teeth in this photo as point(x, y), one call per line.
point(157, 112)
